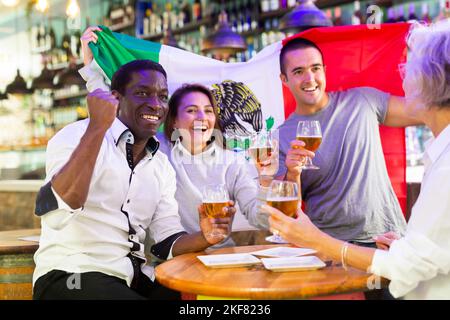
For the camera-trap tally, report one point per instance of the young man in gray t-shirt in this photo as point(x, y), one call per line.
point(350, 197)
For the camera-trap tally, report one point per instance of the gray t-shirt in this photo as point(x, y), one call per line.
point(350, 197)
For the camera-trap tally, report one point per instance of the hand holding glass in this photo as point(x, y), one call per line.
point(283, 195)
point(311, 134)
point(215, 198)
point(264, 152)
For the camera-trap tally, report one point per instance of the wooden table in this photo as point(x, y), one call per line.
point(185, 273)
point(17, 264)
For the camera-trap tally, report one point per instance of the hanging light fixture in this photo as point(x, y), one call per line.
point(44, 80)
point(72, 9)
point(304, 16)
point(42, 5)
point(223, 42)
point(70, 76)
point(18, 86)
point(10, 3)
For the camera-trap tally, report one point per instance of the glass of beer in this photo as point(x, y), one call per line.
point(310, 133)
point(282, 195)
point(263, 151)
point(214, 199)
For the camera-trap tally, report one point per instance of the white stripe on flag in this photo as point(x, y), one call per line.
point(260, 74)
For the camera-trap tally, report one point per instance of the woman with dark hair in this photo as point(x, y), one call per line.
point(193, 142)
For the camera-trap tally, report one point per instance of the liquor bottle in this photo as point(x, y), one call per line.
point(142, 17)
point(390, 15)
point(232, 17)
point(254, 15)
point(41, 36)
point(329, 14)
point(265, 5)
point(166, 16)
point(412, 15)
point(197, 10)
point(425, 16)
point(186, 8)
point(283, 4)
point(337, 16)
point(291, 3)
point(274, 5)
point(129, 12)
point(356, 17)
point(400, 13)
point(247, 16)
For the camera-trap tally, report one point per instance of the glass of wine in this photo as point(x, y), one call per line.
point(311, 134)
point(215, 198)
point(282, 195)
point(263, 151)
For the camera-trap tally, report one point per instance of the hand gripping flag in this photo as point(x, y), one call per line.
point(251, 94)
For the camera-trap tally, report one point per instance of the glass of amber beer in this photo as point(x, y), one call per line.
point(282, 195)
point(263, 151)
point(215, 198)
point(311, 134)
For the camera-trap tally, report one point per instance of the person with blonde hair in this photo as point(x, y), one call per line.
point(418, 264)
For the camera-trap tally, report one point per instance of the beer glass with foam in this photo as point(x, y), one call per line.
point(264, 152)
point(282, 195)
point(215, 198)
point(311, 134)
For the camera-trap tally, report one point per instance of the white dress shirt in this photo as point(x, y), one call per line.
point(418, 264)
point(95, 238)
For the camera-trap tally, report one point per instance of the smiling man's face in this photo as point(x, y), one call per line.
point(305, 76)
point(143, 106)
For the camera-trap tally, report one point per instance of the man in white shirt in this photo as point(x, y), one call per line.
point(106, 185)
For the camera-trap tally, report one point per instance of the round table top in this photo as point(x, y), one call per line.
point(11, 244)
point(186, 273)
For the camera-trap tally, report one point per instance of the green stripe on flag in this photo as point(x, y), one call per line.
point(113, 50)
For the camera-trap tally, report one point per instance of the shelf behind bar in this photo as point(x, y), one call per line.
point(192, 26)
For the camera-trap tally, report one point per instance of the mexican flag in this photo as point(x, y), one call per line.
point(251, 94)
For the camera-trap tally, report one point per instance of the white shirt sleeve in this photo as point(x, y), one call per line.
point(166, 220)
point(424, 251)
point(94, 77)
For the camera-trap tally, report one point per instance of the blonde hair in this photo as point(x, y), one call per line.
point(428, 65)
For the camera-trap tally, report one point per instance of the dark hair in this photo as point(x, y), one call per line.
point(174, 103)
point(123, 75)
point(294, 44)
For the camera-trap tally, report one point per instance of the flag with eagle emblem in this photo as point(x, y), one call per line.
point(249, 93)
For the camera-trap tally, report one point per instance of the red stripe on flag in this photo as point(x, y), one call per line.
point(356, 56)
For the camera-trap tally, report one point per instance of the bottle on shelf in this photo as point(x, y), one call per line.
point(186, 8)
point(400, 13)
point(196, 10)
point(337, 17)
point(356, 17)
point(425, 16)
point(274, 5)
point(142, 19)
point(291, 3)
point(412, 12)
point(390, 15)
point(129, 12)
point(265, 5)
